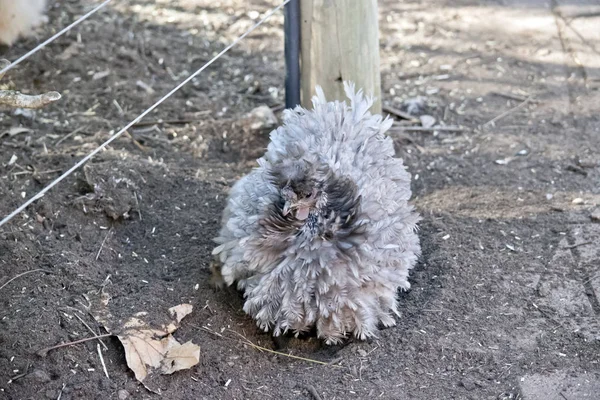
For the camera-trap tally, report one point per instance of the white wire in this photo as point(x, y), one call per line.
point(142, 115)
point(51, 39)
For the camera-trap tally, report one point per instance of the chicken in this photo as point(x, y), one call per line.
point(18, 18)
point(321, 235)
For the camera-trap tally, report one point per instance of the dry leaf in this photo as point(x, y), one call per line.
point(150, 351)
point(179, 356)
point(181, 311)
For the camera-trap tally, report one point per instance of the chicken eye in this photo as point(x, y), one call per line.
point(308, 195)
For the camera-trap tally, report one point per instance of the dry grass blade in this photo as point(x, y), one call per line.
point(257, 347)
point(504, 114)
point(24, 273)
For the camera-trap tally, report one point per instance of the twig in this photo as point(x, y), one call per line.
point(505, 113)
point(448, 128)
point(44, 352)
point(399, 113)
point(510, 96)
point(24, 273)
point(90, 329)
point(248, 342)
point(311, 389)
point(102, 360)
point(104, 241)
point(19, 100)
point(76, 131)
point(591, 278)
point(545, 314)
point(278, 107)
point(137, 205)
point(167, 122)
point(577, 245)
point(64, 385)
point(135, 142)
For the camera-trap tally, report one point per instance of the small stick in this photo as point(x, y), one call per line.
point(44, 352)
point(577, 245)
point(61, 391)
point(510, 96)
point(278, 107)
point(449, 128)
point(19, 100)
point(505, 113)
point(167, 122)
point(102, 360)
point(591, 279)
point(137, 204)
point(135, 142)
point(90, 329)
point(399, 113)
point(69, 135)
point(24, 273)
point(104, 241)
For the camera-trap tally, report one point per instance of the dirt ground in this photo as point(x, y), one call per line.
point(505, 300)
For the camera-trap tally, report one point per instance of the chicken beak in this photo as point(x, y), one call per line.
point(287, 207)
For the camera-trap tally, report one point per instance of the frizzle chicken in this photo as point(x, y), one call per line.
point(321, 235)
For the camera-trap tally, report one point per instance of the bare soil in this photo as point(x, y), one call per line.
point(505, 300)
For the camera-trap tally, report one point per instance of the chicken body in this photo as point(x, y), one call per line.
point(18, 18)
point(321, 233)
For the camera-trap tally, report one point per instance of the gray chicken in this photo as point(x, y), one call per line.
point(321, 235)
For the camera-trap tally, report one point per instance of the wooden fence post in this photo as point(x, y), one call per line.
point(340, 42)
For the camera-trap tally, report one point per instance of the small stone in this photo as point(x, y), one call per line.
point(578, 200)
point(261, 118)
point(544, 289)
point(123, 394)
point(40, 376)
point(595, 215)
point(427, 121)
point(468, 383)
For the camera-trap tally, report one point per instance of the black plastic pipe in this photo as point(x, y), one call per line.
point(291, 28)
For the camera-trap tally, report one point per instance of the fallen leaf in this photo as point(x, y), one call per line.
point(179, 356)
point(150, 350)
point(181, 311)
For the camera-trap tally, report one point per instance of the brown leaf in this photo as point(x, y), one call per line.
point(181, 311)
point(149, 350)
point(179, 356)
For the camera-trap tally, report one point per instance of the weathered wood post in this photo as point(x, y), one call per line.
point(340, 42)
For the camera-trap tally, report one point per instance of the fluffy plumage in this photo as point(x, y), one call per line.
point(321, 233)
point(18, 18)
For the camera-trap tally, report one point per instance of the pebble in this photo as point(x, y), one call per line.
point(261, 118)
point(595, 215)
point(427, 121)
point(578, 200)
point(123, 394)
point(544, 289)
